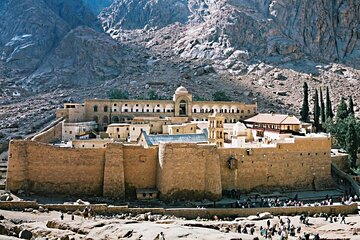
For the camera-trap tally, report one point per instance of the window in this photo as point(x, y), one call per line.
point(70, 132)
point(115, 104)
point(125, 104)
point(95, 108)
point(137, 105)
point(194, 110)
point(248, 111)
point(105, 108)
point(183, 108)
point(125, 110)
point(133, 129)
point(117, 129)
point(177, 130)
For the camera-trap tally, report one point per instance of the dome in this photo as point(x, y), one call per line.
point(181, 89)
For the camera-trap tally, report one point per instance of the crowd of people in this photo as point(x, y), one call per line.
point(283, 228)
point(257, 201)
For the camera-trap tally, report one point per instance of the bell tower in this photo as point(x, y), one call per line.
point(182, 103)
point(216, 129)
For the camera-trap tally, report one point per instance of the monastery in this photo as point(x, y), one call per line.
point(169, 149)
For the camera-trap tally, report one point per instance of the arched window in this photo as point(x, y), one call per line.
point(182, 108)
point(115, 119)
point(95, 108)
point(105, 120)
point(105, 108)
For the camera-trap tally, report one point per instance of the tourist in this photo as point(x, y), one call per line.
point(343, 219)
point(62, 216)
point(239, 228)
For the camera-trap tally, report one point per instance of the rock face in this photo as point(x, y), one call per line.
point(129, 14)
point(259, 29)
point(96, 6)
point(45, 43)
point(83, 57)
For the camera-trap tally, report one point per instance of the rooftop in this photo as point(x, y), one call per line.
point(274, 119)
point(178, 138)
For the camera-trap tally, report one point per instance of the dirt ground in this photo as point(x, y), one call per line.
point(50, 226)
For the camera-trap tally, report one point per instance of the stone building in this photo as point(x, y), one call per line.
point(182, 107)
point(178, 151)
point(174, 166)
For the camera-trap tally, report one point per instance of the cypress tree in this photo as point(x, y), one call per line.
point(329, 112)
point(322, 107)
point(305, 106)
point(316, 111)
point(351, 106)
point(351, 143)
point(342, 111)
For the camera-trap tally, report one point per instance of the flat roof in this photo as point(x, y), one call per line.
point(273, 119)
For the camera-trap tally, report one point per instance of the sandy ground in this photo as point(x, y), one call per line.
point(115, 228)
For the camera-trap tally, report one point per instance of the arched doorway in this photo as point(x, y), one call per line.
point(183, 108)
point(115, 119)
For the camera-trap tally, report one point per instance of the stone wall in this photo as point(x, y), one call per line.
point(114, 180)
point(140, 166)
point(304, 164)
point(188, 171)
point(189, 213)
point(243, 212)
point(47, 169)
point(341, 161)
point(52, 133)
point(178, 171)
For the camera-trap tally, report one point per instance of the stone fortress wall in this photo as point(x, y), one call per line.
point(177, 170)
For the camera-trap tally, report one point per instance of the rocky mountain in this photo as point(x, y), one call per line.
point(254, 50)
point(263, 46)
point(96, 6)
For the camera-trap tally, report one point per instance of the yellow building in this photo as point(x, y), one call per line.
point(182, 107)
point(185, 128)
point(124, 132)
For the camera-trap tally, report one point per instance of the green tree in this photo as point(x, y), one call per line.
point(152, 95)
point(351, 106)
point(342, 110)
point(329, 111)
point(352, 144)
point(305, 106)
point(221, 96)
point(118, 94)
point(199, 98)
point(316, 111)
point(322, 107)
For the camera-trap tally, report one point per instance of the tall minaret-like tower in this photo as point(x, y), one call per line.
point(216, 129)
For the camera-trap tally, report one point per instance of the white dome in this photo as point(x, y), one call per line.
point(181, 89)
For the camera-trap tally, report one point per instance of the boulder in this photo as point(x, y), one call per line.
point(25, 234)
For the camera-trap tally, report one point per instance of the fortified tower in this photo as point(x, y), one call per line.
point(216, 129)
